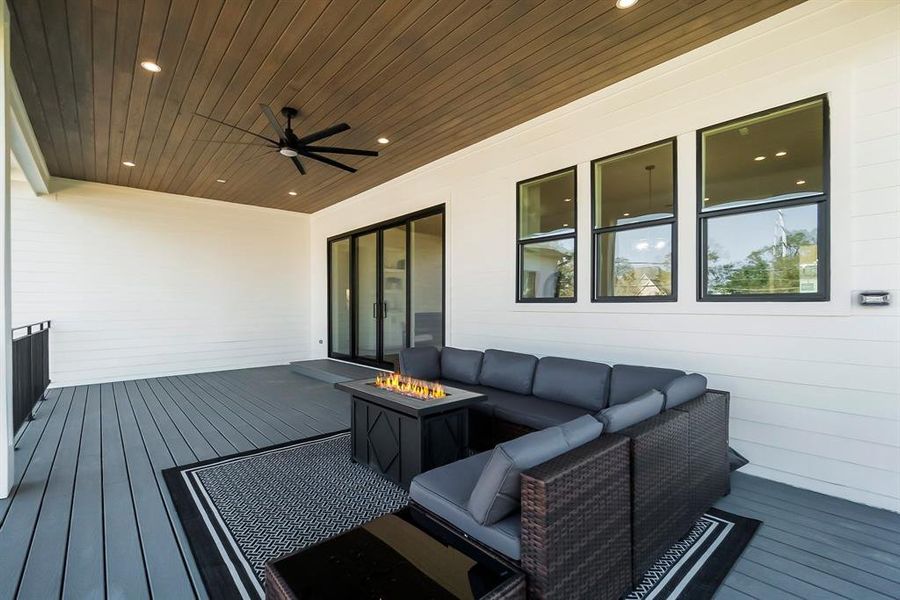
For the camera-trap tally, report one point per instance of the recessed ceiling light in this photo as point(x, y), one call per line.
point(383, 140)
point(151, 66)
point(626, 214)
point(625, 3)
point(565, 224)
point(782, 153)
point(801, 181)
point(128, 163)
point(220, 181)
point(292, 193)
point(567, 199)
point(759, 158)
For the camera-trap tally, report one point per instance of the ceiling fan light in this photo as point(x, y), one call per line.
point(149, 65)
point(289, 152)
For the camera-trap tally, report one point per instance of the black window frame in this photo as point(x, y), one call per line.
point(822, 201)
point(520, 243)
point(407, 219)
point(596, 232)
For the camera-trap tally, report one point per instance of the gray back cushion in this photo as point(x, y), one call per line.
point(498, 492)
point(618, 417)
point(423, 362)
point(686, 387)
point(510, 371)
point(576, 382)
point(630, 381)
point(461, 365)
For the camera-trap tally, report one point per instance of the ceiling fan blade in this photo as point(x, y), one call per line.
point(273, 122)
point(328, 161)
point(334, 150)
point(251, 158)
point(299, 165)
point(314, 137)
point(262, 137)
point(236, 143)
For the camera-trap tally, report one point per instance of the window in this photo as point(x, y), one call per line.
point(546, 238)
point(634, 203)
point(763, 205)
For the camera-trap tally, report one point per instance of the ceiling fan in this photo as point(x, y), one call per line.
point(289, 145)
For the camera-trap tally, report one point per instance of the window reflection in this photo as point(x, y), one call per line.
point(547, 205)
point(548, 269)
point(635, 262)
point(634, 187)
point(766, 252)
point(777, 156)
point(427, 291)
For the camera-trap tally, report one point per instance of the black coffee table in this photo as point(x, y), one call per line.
point(400, 437)
point(403, 555)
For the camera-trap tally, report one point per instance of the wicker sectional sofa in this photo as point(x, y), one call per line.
point(593, 518)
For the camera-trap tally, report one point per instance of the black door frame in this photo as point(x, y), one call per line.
point(378, 229)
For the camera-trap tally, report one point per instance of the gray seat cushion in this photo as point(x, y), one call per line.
point(630, 381)
point(618, 417)
point(445, 492)
point(461, 365)
point(421, 362)
point(576, 382)
point(686, 387)
point(531, 411)
point(498, 492)
point(510, 371)
point(485, 406)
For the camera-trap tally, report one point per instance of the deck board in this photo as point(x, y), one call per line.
point(45, 565)
point(220, 444)
point(19, 526)
point(83, 577)
point(166, 569)
point(126, 576)
point(91, 516)
point(200, 447)
point(161, 458)
point(28, 443)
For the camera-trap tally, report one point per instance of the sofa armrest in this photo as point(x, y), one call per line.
point(684, 388)
point(708, 435)
point(660, 486)
point(576, 522)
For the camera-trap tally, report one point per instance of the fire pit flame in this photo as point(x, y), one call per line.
point(416, 388)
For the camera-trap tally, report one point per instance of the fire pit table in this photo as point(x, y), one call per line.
point(399, 434)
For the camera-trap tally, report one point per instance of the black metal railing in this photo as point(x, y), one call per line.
point(30, 369)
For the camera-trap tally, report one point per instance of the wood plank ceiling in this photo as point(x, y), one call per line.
point(434, 76)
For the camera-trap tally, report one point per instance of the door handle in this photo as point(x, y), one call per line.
point(374, 310)
point(384, 309)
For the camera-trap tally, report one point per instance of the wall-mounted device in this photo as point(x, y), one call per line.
point(874, 298)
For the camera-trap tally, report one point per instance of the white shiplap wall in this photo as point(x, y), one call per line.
point(142, 283)
point(816, 387)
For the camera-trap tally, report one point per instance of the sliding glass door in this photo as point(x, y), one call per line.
point(426, 263)
point(365, 286)
point(393, 287)
point(386, 289)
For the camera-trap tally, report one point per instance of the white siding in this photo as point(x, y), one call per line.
point(140, 283)
point(815, 386)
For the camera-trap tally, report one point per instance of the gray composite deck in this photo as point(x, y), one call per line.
point(91, 516)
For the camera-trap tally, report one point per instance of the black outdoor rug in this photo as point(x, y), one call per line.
point(243, 510)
